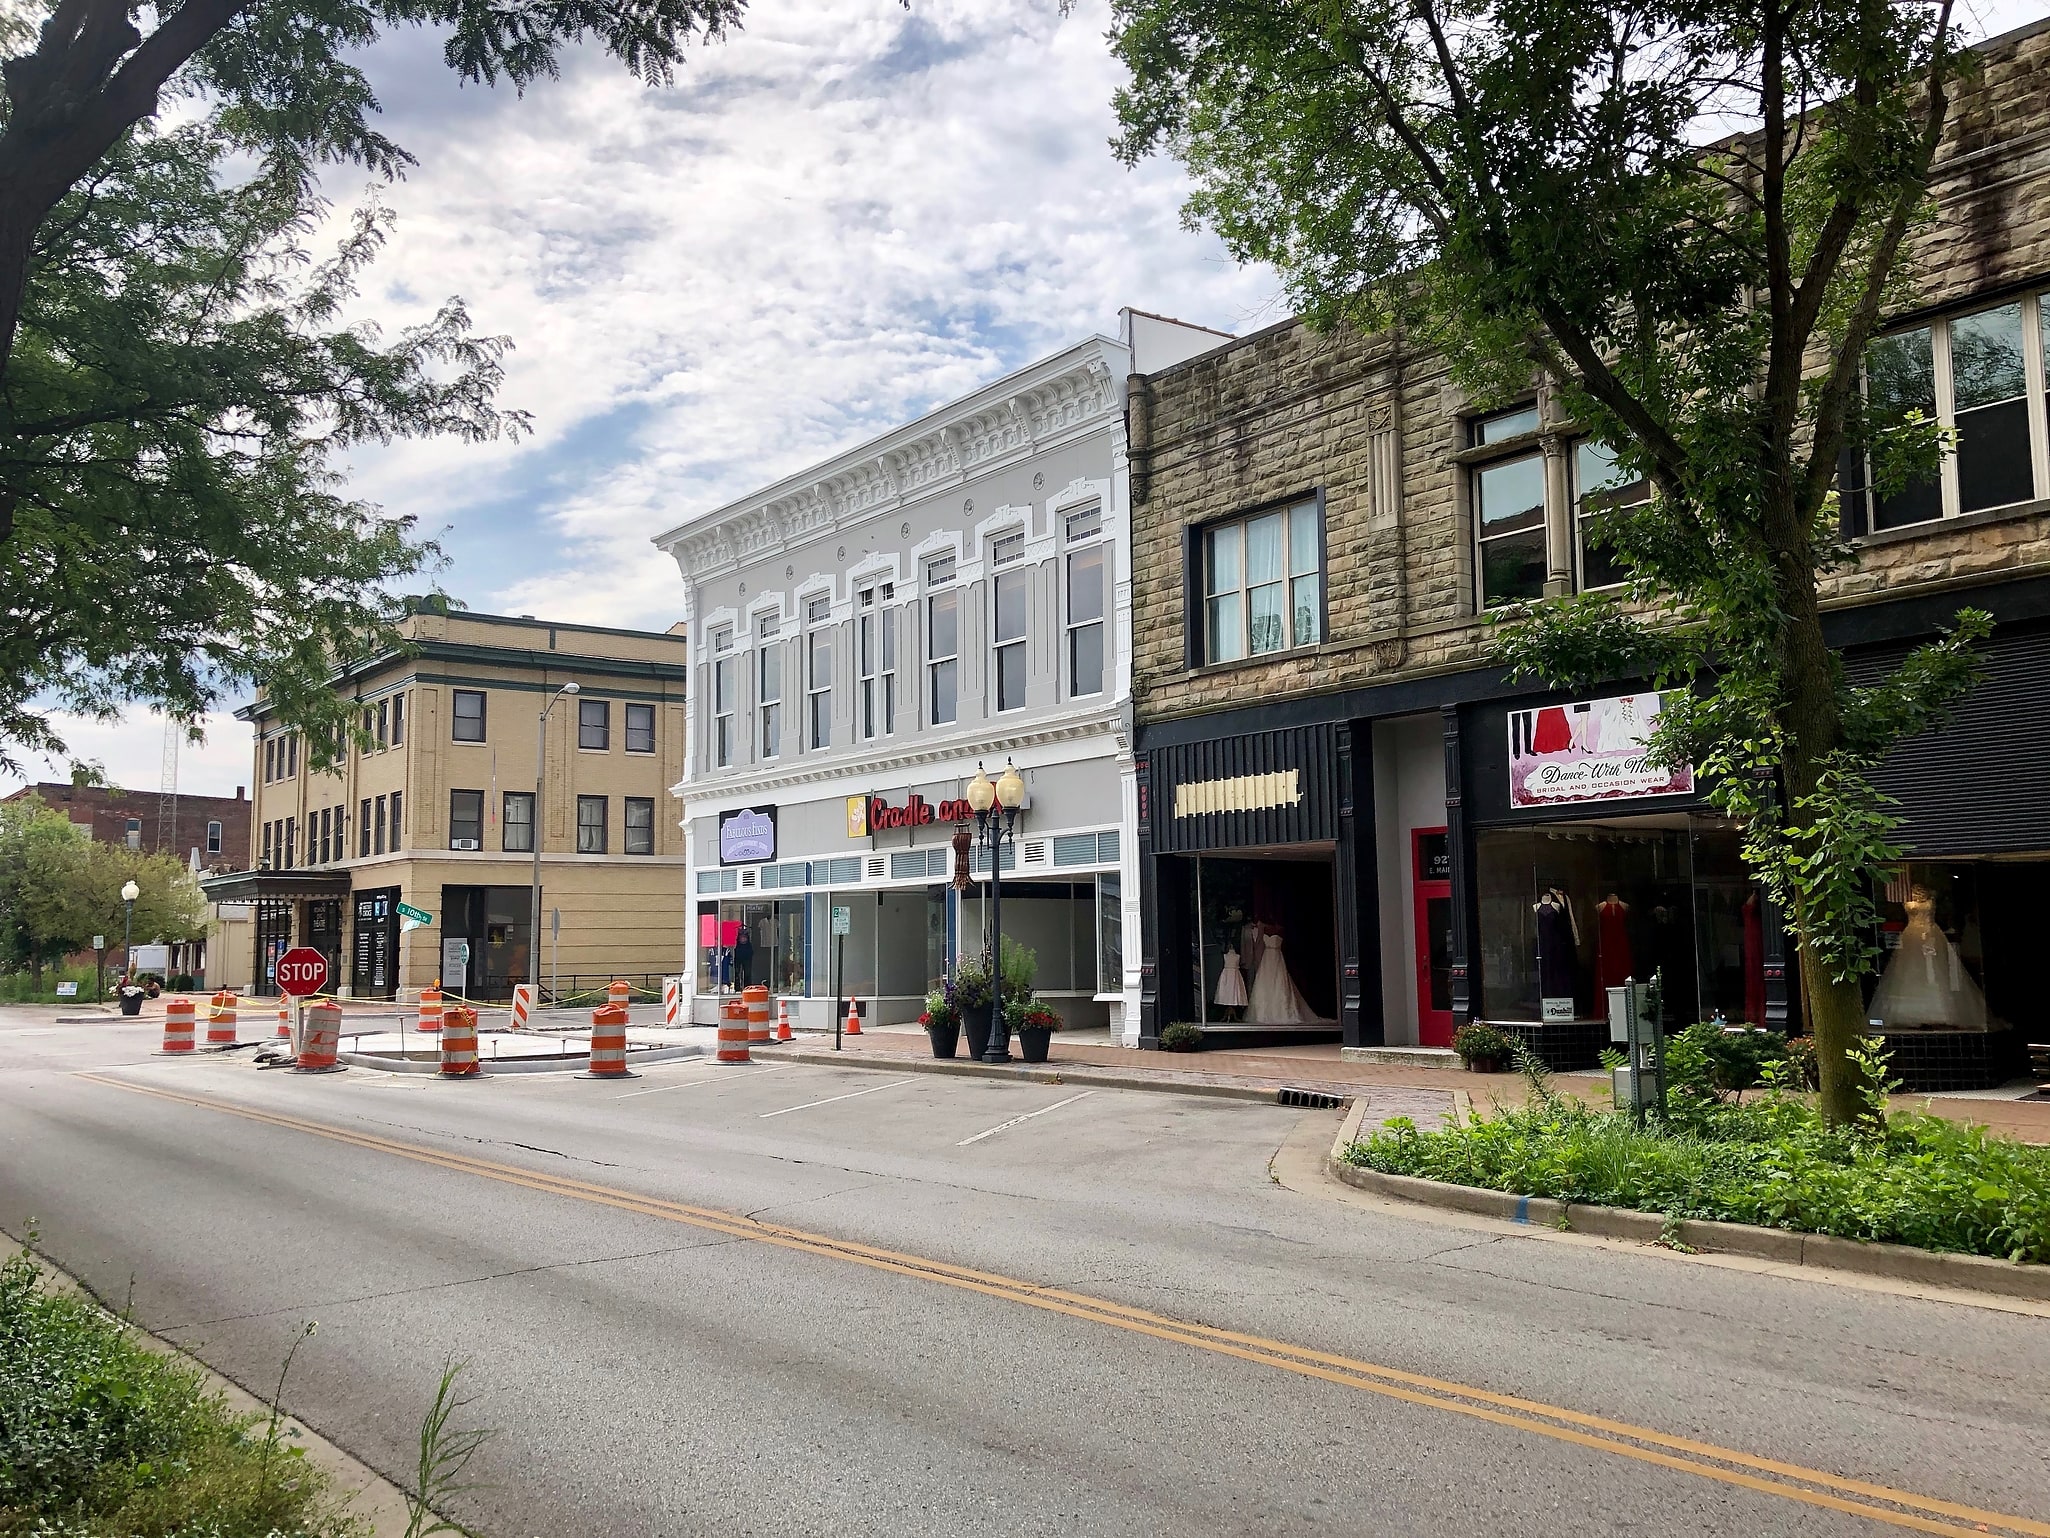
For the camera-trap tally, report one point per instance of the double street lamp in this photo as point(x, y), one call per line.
point(996, 821)
point(534, 835)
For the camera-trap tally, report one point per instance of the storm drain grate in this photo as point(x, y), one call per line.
point(1310, 1099)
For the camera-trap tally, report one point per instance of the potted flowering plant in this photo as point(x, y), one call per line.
point(942, 1021)
point(1033, 1024)
point(971, 1000)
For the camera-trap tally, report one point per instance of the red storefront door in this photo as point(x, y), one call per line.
point(1430, 853)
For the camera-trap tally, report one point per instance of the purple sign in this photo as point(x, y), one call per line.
point(748, 836)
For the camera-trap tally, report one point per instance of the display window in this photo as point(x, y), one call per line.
point(742, 944)
point(1268, 940)
point(1570, 909)
point(1056, 920)
point(1934, 971)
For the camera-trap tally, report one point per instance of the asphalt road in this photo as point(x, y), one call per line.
point(977, 1307)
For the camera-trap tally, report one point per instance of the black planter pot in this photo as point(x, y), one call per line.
point(945, 1039)
point(131, 1003)
point(1033, 1040)
point(976, 1023)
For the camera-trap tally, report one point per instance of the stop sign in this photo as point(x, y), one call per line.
point(302, 970)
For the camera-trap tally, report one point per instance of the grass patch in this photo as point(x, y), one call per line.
point(103, 1438)
point(1898, 1179)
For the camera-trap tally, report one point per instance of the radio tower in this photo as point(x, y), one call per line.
point(167, 791)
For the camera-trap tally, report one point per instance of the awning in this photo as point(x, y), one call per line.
point(249, 886)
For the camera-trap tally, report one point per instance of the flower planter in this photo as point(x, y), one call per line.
point(1484, 1065)
point(131, 1002)
point(1033, 1041)
point(945, 1039)
point(976, 1021)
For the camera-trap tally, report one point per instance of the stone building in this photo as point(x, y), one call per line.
point(1332, 771)
point(439, 815)
point(869, 630)
point(214, 830)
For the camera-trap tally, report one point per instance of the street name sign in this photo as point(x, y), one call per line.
point(302, 970)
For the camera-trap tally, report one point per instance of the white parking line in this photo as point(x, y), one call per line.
point(1015, 1120)
point(831, 1098)
point(708, 1078)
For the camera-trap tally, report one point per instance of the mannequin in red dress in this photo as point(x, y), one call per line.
point(1613, 963)
point(1754, 961)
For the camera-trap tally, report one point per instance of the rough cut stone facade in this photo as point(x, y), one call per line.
point(1377, 430)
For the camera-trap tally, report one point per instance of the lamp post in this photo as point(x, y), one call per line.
point(534, 833)
point(996, 820)
point(129, 892)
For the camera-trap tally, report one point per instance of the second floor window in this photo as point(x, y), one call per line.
point(640, 728)
point(384, 723)
point(1263, 586)
point(594, 724)
point(1085, 575)
point(213, 838)
point(1598, 483)
point(876, 653)
point(724, 665)
point(640, 824)
point(943, 655)
point(326, 824)
point(395, 802)
point(363, 829)
point(465, 819)
point(377, 825)
point(516, 826)
point(590, 824)
point(398, 719)
point(818, 680)
point(469, 715)
point(1007, 630)
point(769, 685)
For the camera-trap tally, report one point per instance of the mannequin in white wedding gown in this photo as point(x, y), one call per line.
point(1926, 982)
point(1276, 999)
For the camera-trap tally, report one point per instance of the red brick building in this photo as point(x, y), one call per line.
point(216, 826)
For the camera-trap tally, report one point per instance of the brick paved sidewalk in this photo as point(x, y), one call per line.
point(1321, 1068)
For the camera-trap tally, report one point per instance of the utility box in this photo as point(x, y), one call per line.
point(1635, 1026)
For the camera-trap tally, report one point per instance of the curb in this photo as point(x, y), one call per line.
point(371, 1497)
point(490, 1068)
point(1893, 1262)
point(1051, 1073)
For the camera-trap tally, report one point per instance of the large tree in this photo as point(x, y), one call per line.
point(1689, 219)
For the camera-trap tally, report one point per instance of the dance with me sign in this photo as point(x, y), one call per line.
point(1592, 750)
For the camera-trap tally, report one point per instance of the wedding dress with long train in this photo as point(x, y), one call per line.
point(1276, 999)
point(1926, 982)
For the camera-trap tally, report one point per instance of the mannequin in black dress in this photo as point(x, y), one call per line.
point(1558, 944)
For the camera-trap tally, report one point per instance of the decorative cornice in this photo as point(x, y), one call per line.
point(1070, 393)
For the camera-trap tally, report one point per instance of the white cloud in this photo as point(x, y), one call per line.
point(131, 751)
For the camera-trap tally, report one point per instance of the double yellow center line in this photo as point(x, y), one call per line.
point(1768, 1476)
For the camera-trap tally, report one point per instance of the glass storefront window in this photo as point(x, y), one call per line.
point(740, 944)
point(1241, 905)
point(1570, 909)
point(1110, 933)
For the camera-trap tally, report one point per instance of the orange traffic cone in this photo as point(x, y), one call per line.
point(782, 1019)
point(285, 1022)
point(853, 1018)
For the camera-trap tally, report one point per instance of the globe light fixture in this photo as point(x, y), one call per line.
point(981, 794)
point(1011, 788)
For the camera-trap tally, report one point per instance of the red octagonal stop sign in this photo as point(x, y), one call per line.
point(302, 970)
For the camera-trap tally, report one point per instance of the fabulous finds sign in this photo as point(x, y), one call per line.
point(1590, 750)
point(748, 836)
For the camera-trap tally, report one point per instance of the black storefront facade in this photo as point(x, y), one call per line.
point(1528, 907)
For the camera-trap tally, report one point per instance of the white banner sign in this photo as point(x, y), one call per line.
point(1590, 750)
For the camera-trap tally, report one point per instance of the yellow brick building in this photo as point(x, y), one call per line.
point(439, 816)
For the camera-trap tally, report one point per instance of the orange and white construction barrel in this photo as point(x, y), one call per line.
point(430, 1009)
point(320, 1039)
point(177, 1026)
point(523, 1006)
point(618, 995)
point(220, 1020)
point(756, 998)
point(459, 1043)
point(284, 1031)
point(733, 1032)
point(608, 1044)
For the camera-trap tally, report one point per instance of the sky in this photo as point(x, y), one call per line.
point(843, 216)
point(839, 218)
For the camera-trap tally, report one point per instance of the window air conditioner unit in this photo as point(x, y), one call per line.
point(465, 843)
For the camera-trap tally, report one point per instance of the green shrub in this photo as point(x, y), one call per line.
point(1909, 1179)
point(1181, 1036)
point(1474, 1040)
point(100, 1437)
point(1710, 1062)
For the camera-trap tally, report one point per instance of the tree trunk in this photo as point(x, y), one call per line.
point(1836, 1019)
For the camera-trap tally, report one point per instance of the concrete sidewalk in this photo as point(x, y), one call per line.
point(1320, 1068)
